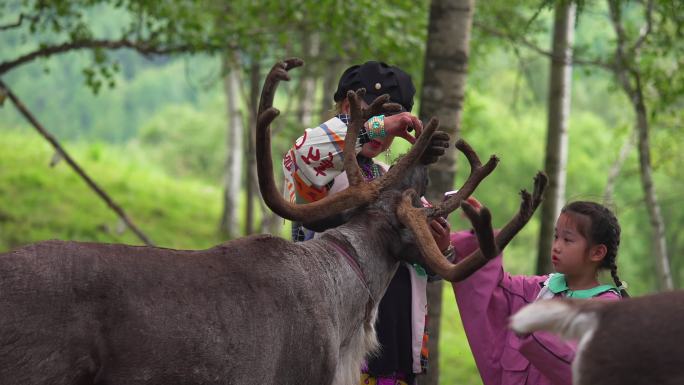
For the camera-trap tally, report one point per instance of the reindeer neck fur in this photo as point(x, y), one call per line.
point(367, 238)
point(370, 239)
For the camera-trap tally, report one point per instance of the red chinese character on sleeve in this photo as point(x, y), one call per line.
point(325, 164)
point(312, 156)
point(287, 162)
point(300, 141)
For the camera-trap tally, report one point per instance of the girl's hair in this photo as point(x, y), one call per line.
point(603, 229)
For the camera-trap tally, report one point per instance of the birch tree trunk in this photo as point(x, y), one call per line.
point(250, 169)
point(444, 79)
point(555, 164)
point(627, 72)
point(617, 167)
point(650, 198)
point(307, 97)
point(330, 77)
point(234, 133)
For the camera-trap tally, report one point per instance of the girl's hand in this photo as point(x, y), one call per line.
point(400, 125)
point(441, 231)
point(474, 202)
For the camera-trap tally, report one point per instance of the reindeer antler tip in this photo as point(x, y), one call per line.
point(463, 146)
point(293, 62)
point(390, 107)
point(541, 177)
point(266, 116)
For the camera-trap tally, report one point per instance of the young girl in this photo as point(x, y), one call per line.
point(586, 239)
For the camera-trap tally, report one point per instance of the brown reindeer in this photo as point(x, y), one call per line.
point(628, 342)
point(258, 309)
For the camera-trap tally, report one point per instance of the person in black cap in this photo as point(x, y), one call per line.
point(313, 169)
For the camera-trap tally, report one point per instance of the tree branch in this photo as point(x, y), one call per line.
point(646, 30)
point(53, 141)
point(528, 44)
point(17, 23)
point(621, 67)
point(144, 47)
point(615, 169)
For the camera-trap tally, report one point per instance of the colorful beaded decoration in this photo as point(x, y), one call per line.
point(369, 169)
point(376, 127)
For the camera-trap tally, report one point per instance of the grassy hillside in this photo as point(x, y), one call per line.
point(38, 202)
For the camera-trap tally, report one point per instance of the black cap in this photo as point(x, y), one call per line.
point(377, 78)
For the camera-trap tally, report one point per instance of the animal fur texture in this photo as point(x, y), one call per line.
point(633, 341)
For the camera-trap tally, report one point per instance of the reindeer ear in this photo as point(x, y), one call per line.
point(597, 252)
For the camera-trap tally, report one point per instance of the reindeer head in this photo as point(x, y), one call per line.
point(394, 196)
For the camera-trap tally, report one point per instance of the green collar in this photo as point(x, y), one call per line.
point(557, 285)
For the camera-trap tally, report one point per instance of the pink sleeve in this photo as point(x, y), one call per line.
point(551, 355)
point(485, 302)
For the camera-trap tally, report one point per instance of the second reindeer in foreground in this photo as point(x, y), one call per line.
point(636, 341)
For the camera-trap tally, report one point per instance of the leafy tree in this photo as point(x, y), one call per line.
point(60, 26)
point(637, 64)
point(645, 49)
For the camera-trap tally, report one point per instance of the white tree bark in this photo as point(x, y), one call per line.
point(307, 99)
point(250, 169)
point(555, 164)
point(444, 79)
point(615, 169)
point(232, 176)
point(234, 163)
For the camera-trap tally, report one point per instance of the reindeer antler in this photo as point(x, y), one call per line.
point(490, 247)
point(477, 173)
point(358, 193)
point(416, 219)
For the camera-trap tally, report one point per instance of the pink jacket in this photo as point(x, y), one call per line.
point(486, 300)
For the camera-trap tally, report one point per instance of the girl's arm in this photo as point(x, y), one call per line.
point(550, 354)
point(485, 301)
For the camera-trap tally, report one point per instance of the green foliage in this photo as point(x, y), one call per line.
point(186, 142)
point(46, 28)
point(69, 110)
point(456, 362)
point(263, 30)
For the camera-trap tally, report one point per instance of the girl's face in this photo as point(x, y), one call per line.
point(571, 253)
